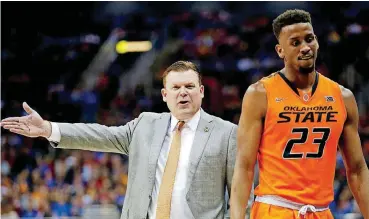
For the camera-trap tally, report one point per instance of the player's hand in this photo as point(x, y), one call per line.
point(31, 125)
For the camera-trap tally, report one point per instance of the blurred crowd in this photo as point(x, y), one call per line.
point(232, 52)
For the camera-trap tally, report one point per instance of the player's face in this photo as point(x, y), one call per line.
point(298, 46)
point(183, 93)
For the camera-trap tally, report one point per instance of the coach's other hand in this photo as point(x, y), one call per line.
point(31, 125)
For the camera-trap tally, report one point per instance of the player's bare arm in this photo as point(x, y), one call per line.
point(356, 169)
point(250, 129)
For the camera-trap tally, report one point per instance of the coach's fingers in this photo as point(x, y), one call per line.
point(18, 131)
point(11, 126)
point(11, 119)
point(10, 123)
point(27, 108)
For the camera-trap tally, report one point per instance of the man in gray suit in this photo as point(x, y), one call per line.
point(180, 163)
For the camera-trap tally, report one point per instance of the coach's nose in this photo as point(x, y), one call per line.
point(183, 92)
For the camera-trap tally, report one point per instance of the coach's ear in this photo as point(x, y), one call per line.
point(164, 94)
point(279, 51)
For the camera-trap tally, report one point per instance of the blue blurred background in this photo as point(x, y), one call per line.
point(61, 58)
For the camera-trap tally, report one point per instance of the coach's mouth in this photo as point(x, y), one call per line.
point(183, 102)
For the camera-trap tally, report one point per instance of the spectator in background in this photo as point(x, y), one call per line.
point(7, 210)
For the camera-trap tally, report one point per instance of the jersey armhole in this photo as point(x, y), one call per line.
point(268, 104)
point(342, 102)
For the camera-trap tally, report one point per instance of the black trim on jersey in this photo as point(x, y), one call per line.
point(315, 85)
point(293, 87)
point(289, 83)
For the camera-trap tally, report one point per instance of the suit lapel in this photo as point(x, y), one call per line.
point(202, 134)
point(159, 132)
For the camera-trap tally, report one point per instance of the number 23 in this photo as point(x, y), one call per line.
point(287, 154)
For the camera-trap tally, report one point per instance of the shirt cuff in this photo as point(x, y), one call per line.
point(55, 133)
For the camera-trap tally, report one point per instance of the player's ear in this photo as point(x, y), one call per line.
point(317, 42)
point(279, 51)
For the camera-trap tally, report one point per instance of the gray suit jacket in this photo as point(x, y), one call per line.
point(212, 159)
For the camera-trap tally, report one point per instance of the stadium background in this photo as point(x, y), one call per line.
point(61, 58)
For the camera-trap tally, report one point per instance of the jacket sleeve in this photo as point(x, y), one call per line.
point(96, 137)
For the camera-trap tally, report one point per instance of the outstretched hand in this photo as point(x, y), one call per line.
point(31, 125)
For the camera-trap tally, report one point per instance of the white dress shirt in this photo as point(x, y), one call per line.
point(55, 133)
point(179, 206)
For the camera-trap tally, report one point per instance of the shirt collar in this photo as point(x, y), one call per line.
point(191, 123)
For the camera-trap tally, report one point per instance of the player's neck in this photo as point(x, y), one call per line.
point(300, 80)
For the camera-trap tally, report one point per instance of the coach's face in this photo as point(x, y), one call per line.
point(183, 93)
point(298, 46)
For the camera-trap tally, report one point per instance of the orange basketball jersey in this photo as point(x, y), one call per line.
point(297, 154)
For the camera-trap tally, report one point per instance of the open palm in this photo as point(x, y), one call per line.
point(31, 125)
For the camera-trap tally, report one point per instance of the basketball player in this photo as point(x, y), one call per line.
point(291, 122)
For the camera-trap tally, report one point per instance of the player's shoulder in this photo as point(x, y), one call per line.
point(255, 91)
point(259, 88)
point(328, 81)
point(350, 103)
point(346, 93)
point(256, 88)
point(255, 98)
point(269, 78)
point(348, 98)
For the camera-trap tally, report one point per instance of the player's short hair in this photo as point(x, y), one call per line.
point(290, 17)
point(181, 66)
